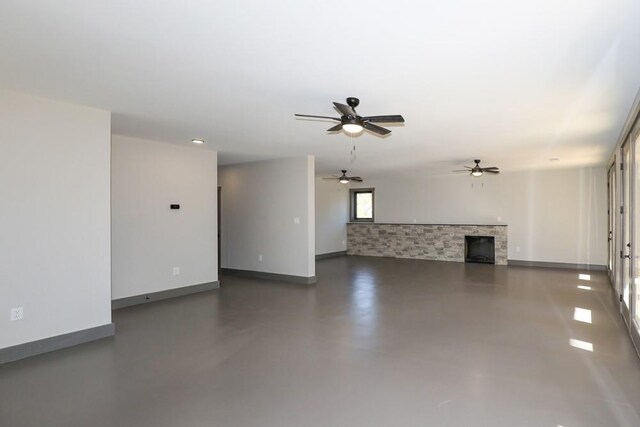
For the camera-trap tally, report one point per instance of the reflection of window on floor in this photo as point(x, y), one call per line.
point(361, 204)
point(583, 345)
point(582, 315)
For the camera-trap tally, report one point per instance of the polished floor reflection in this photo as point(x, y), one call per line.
point(376, 342)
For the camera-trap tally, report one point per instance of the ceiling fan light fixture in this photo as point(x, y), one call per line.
point(352, 123)
point(344, 178)
point(478, 171)
point(352, 128)
point(197, 141)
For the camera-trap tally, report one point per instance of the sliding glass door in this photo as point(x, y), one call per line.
point(623, 264)
point(612, 210)
point(626, 252)
point(635, 284)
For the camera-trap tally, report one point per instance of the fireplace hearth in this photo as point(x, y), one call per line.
point(479, 249)
point(435, 242)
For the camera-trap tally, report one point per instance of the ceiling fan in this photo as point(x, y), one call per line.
point(477, 170)
point(344, 179)
point(352, 123)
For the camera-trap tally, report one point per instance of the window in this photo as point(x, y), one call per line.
point(361, 201)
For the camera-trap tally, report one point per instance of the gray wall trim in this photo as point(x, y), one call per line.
point(614, 294)
point(566, 265)
point(160, 295)
point(331, 255)
point(635, 338)
point(33, 348)
point(269, 276)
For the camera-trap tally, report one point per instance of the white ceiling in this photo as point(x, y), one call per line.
point(511, 82)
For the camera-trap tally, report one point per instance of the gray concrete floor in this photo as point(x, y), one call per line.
point(377, 342)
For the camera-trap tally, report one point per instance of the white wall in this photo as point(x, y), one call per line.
point(149, 239)
point(260, 201)
point(556, 215)
point(54, 217)
point(332, 214)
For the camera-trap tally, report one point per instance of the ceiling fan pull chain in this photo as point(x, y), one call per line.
point(352, 152)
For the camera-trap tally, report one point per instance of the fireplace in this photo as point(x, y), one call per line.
point(479, 249)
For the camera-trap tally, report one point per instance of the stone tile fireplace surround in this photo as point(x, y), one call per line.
point(439, 242)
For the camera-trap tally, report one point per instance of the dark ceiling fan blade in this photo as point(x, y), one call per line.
point(489, 168)
point(486, 171)
point(375, 128)
point(317, 117)
point(335, 128)
point(345, 109)
point(384, 119)
point(355, 178)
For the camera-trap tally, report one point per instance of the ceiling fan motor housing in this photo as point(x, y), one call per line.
point(353, 102)
point(351, 120)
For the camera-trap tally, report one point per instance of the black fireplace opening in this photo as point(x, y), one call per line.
point(480, 249)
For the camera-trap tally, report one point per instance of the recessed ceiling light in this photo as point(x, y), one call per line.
point(198, 141)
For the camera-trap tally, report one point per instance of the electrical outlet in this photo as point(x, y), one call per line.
point(499, 219)
point(296, 220)
point(344, 243)
point(517, 248)
point(260, 258)
point(17, 313)
point(176, 271)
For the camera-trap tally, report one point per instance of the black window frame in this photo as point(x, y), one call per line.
point(352, 204)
